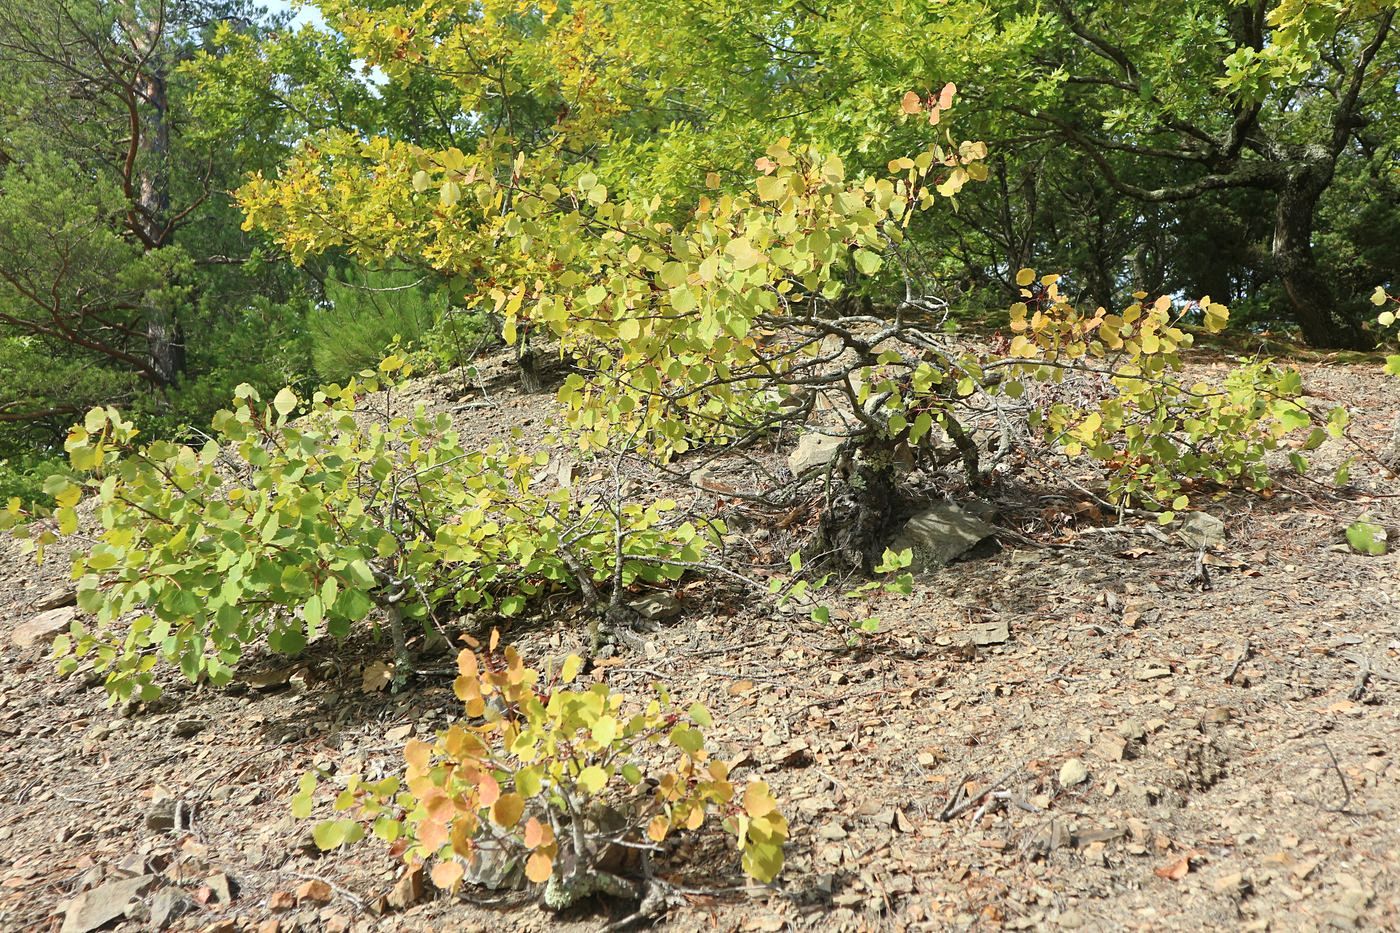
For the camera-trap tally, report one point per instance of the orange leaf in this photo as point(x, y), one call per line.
point(534, 833)
point(945, 96)
point(489, 790)
point(416, 753)
point(538, 867)
point(447, 875)
point(658, 828)
point(432, 834)
point(911, 103)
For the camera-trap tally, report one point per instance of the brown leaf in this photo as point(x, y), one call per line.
point(376, 677)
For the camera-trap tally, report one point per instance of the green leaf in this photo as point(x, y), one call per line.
point(334, 833)
point(867, 262)
point(313, 613)
point(1367, 537)
point(353, 605)
point(285, 401)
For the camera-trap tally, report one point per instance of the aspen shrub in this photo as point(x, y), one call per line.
point(559, 774)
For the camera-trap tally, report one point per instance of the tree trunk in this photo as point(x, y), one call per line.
point(864, 509)
point(164, 336)
point(531, 380)
point(1309, 292)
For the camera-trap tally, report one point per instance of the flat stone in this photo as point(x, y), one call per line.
point(1202, 530)
point(314, 891)
point(44, 627)
point(656, 606)
point(990, 633)
point(167, 906)
point(94, 909)
point(185, 728)
point(940, 535)
point(224, 888)
point(813, 451)
point(161, 816)
point(57, 599)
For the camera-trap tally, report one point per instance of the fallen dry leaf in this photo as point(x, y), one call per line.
point(376, 677)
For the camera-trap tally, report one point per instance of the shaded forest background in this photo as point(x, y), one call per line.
point(1249, 151)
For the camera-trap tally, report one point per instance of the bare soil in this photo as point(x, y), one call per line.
point(1236, 770)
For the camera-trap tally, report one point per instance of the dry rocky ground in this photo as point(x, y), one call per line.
point(1156, 753)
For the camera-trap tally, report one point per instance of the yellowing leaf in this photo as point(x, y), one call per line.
point(592, 779)
point(743, 253)
point(1025, 277)
point(605, 730)
point(535, 834)
point(772, 187)
point(758, 801)
point(570, 668)
point(507, 810)
point(285, 401)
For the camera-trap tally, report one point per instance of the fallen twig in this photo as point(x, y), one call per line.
point(1346, 788)
point(954, 808)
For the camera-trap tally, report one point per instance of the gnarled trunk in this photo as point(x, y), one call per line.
point(1309, 291)
point(863, 510)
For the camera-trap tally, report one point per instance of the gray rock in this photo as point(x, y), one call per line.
point(167, 905)
point(990, 633)
point(814, 451)
point(44, 627)
point(100, 906)
point(940, 535)
point(161, 816)
point(224, 888)
point(57, 599)
point(655, 606)
point(493, 866)
point(1202, 530)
